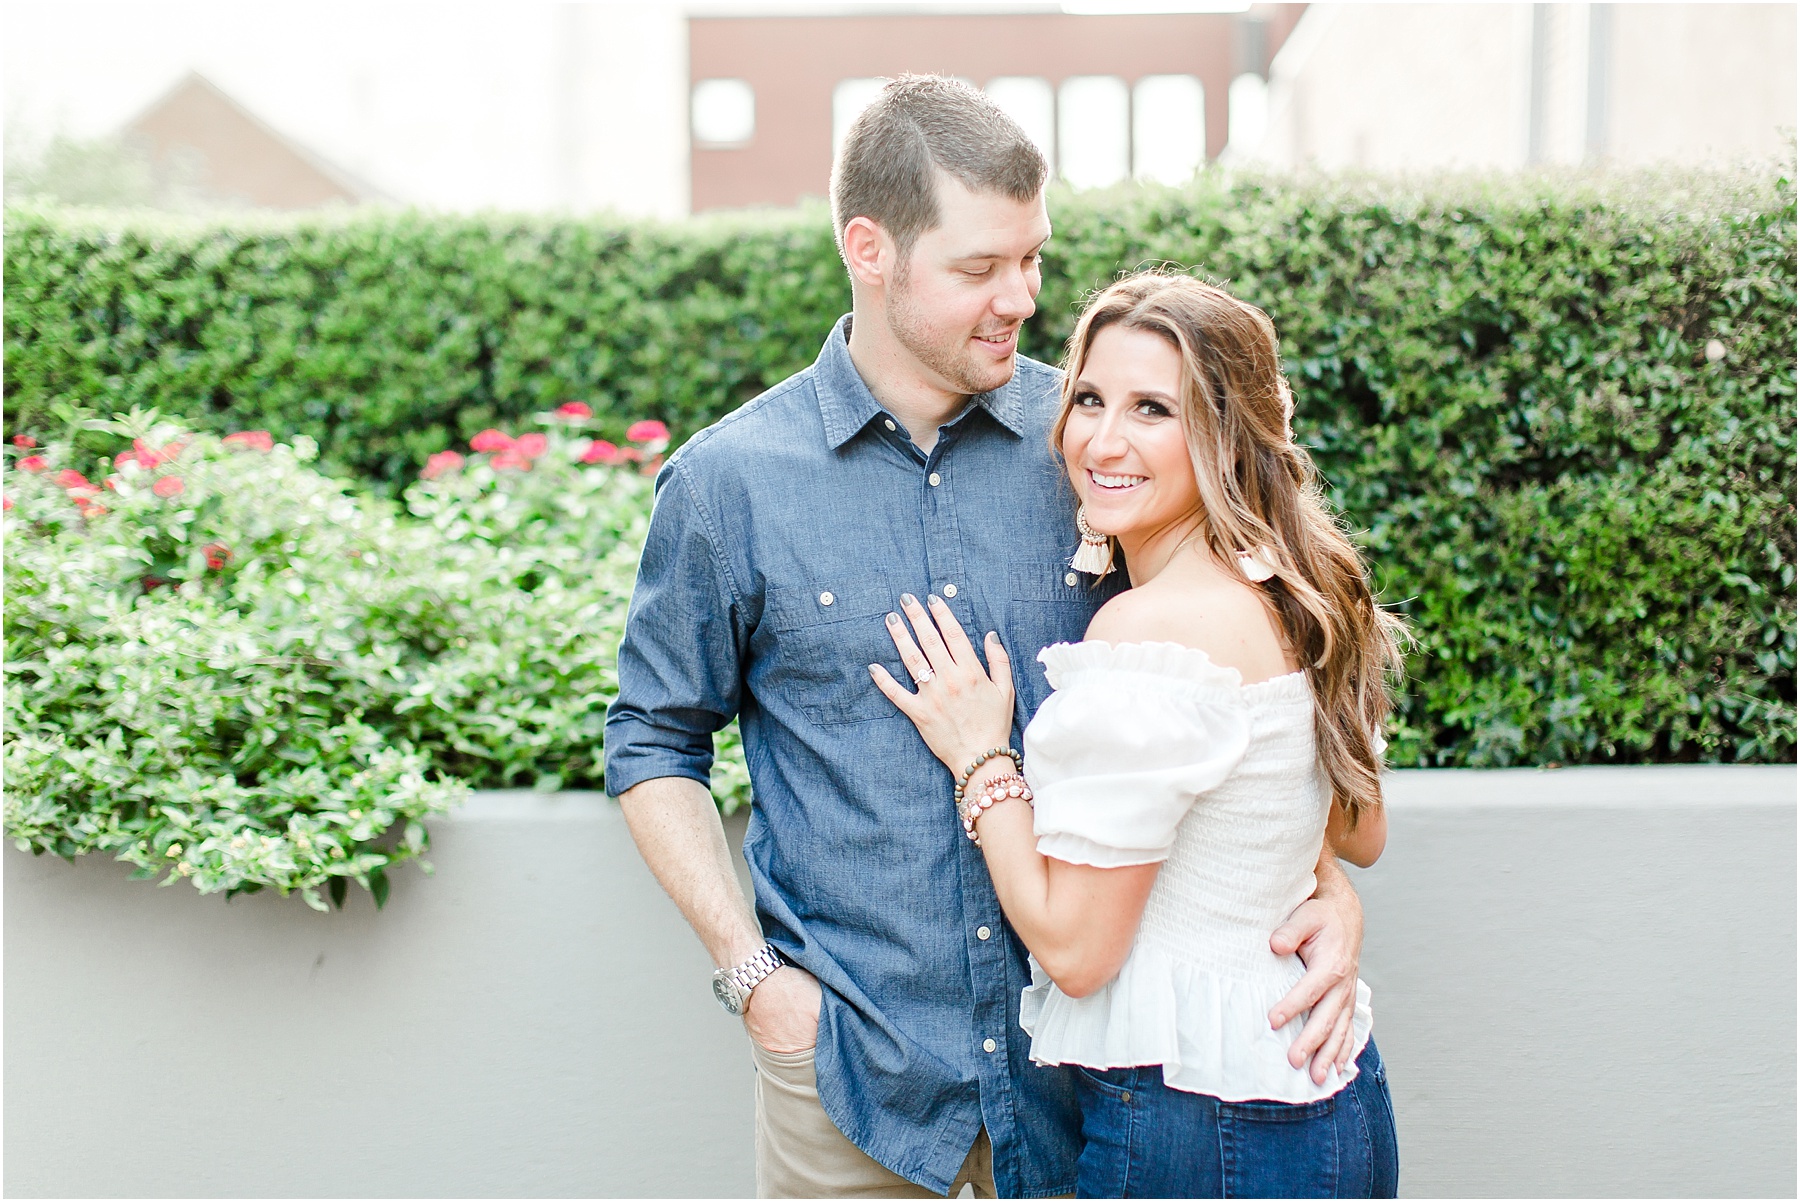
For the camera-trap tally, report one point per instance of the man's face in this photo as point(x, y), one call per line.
point(969, 285)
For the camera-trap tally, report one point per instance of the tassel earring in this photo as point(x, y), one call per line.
point(1255, 565)
point(1095, 555)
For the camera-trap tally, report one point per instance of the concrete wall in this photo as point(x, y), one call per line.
point(1401, 87)
point(1413, 87)
point(1700, 82)
point(1584, 984)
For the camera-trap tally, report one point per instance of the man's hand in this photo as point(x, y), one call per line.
point(783, 1014)
point(1326, 932)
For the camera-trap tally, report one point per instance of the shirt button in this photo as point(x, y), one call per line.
point(889, 424)
point(1071, 580)
point(826, 598)
point(988, 1045)
point(982, 932)
point(932, 479)
point(949, 590)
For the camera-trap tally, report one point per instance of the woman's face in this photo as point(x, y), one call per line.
point(1123, 441)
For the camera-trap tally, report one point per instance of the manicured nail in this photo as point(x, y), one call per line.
point(992, 637)
point(908, 599)
point(893, 619)
point(934, 599)
point(871, 669)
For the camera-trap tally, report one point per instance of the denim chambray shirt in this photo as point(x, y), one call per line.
point(782, 537)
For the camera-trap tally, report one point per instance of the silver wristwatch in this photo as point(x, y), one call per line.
point(732, 986)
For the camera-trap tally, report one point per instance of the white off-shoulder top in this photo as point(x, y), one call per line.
point(1150, 752)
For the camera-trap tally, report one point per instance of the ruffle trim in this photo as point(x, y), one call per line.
point(1209, 1032)
point(1172, 660)
point(1071, 848)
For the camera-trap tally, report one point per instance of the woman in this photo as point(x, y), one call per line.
point(1177, 784)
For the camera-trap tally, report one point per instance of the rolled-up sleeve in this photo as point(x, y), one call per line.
point(680, 675)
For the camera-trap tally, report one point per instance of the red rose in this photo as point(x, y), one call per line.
point(601, 451)
point(491, 440)
point(5, 502)
point(124, 457)
point(573, 409)
point(438, 464)
point(217, 555)
point(512, 460)
point(168, 486)
point(70, 478)
point(151, 584)
point(92, 511)
point(256, 440)
point(149, 456)
point(33, 463)
point(647, 432)
point(26, 440)
point(532, 445)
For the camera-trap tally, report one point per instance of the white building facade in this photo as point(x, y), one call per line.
point(1403, 87)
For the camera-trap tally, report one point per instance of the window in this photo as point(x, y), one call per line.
point(1247, 113)
point(1094, 133)
point(723, 112)
point(848, 100)
point(1168, 128)
point(1032, 103)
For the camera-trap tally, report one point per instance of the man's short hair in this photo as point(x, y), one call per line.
point(920, 125)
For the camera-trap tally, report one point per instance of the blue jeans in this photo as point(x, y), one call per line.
point(1141, 1139)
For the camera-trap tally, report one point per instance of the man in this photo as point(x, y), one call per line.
point(912, 457)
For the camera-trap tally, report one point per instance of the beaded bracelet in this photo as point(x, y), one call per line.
point(962, 782)
point(991, 794)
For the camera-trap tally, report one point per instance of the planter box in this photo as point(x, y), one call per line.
point(1584, 985)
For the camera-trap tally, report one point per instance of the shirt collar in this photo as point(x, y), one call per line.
point(847, 405)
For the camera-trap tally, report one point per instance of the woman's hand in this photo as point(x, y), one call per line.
point(961, 709)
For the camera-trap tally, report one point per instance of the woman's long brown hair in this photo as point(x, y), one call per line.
point(1259, 490)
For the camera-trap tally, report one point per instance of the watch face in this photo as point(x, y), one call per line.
point(727, 992)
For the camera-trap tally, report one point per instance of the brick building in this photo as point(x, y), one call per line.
point(1107, 96)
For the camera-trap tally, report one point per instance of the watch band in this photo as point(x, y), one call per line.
point(732, 986)
point(750, 973)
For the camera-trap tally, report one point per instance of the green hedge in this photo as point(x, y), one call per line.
point(1562, 413)
point(227, 667)
point(392, 337)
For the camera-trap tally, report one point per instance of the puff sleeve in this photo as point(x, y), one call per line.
point(1116, 766)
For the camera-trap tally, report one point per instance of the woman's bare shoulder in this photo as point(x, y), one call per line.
point(1124, 618)
point(1227, 620)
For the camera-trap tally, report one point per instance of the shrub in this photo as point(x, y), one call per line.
point(1561, 413)
point(392, 338)
point(223, 664)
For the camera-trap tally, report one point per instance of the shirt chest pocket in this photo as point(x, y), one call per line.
point(823, 638)
point(1048, 603)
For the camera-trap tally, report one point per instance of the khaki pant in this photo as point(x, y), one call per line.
point(800, 1153)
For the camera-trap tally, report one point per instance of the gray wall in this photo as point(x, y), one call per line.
point(1584, 985)
point(1584, 981)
